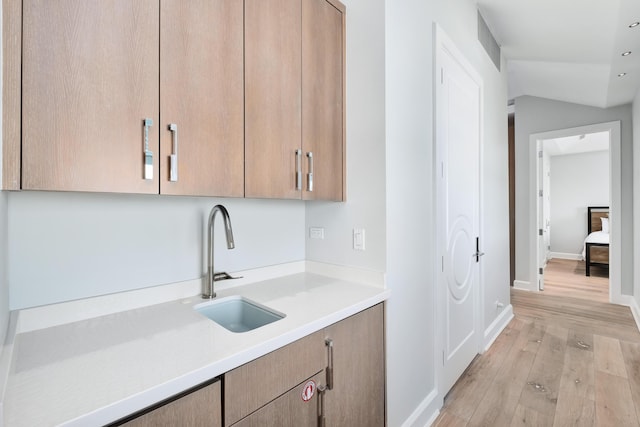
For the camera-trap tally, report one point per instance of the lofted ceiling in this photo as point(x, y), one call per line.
point(568, 50)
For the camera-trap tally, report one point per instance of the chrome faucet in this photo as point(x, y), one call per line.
point(207, 287)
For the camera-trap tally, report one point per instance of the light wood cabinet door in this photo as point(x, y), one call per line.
point(272, 97)
point(202, 93)
point(358, 394)
point(290, 409)
point(89, 79)
point(323, 98)
point(199, 408)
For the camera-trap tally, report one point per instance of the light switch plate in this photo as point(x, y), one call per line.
point(358, 239)
point(316, 233)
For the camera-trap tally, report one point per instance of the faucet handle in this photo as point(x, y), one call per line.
point(223, 275)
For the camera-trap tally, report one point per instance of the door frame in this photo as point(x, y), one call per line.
point(615, 199)
point(443, 43)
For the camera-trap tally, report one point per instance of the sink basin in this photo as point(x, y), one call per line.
point(238, 314)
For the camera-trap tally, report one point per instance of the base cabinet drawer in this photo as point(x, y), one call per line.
point(299, 407)
point(254, 384)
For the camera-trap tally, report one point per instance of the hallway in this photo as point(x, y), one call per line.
point(561, 362)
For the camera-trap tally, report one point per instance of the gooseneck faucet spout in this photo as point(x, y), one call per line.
point(207, 287)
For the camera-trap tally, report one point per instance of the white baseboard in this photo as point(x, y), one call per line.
point(635, 310)
point(562, 255)
point(626, 300)
point(523, 286)
point(497, 326)
point(426, 413)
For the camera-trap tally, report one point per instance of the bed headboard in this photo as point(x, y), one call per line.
point(593, 219)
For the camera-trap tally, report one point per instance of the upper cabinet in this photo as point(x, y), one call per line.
point(201, 98)
point(206, 98)
point(89, 79)
point(323, 127)
point(273, 91)
point(294, 88)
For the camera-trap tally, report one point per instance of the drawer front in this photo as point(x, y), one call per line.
point(251, 386)
point(288, 410)
point(202, 407)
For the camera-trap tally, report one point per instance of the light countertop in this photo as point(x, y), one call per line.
point(98, 370)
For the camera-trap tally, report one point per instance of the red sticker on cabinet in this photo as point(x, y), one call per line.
point(308, 390)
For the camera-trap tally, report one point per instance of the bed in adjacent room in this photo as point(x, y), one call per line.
point(596, 245)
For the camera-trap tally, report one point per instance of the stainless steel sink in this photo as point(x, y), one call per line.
point(238, 314)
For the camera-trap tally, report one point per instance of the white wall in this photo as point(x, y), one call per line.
point(636, 196)
point(577, 181)
point(536, 115)
point(365, 206)
point(66, 246)
point(411, 330)
point(4, 266)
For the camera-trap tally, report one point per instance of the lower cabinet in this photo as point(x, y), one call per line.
point(345, 360)
point(356, 393)
point(334, 377)
point(200, 407)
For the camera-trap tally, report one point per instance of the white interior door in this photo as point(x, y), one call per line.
point(458, 155)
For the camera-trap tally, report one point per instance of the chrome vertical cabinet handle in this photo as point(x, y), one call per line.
point(148, 154)
point(298, 170)
point(173, 157)
point(310, 173)
point(322, 422)
point(329, 343)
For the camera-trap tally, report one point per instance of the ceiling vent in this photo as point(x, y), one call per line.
point(488, 41)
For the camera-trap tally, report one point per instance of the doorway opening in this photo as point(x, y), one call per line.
point(573, 202)
point(556, 240)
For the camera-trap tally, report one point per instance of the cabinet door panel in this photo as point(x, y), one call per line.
point(90, 77)
point(289, 410)
point(272, 97)
point(322, 97)
point(358, 394)
point(202, 407)
point(201, 91)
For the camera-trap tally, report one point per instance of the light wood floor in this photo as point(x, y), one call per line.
point(565, 277)
point(560, 362)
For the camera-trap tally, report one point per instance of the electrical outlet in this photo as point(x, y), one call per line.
point(316, 233)
point(359, 239)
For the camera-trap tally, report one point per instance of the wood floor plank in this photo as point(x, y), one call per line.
point(614, 403)
point(580, 340)
point(543, 382)
point(447, 419)
point(466, 394)
point(608, 356)
point(501, 398)
point(631, 355)
point(525, 416)
point(574, 407)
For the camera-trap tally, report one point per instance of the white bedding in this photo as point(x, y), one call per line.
point(595, 237)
